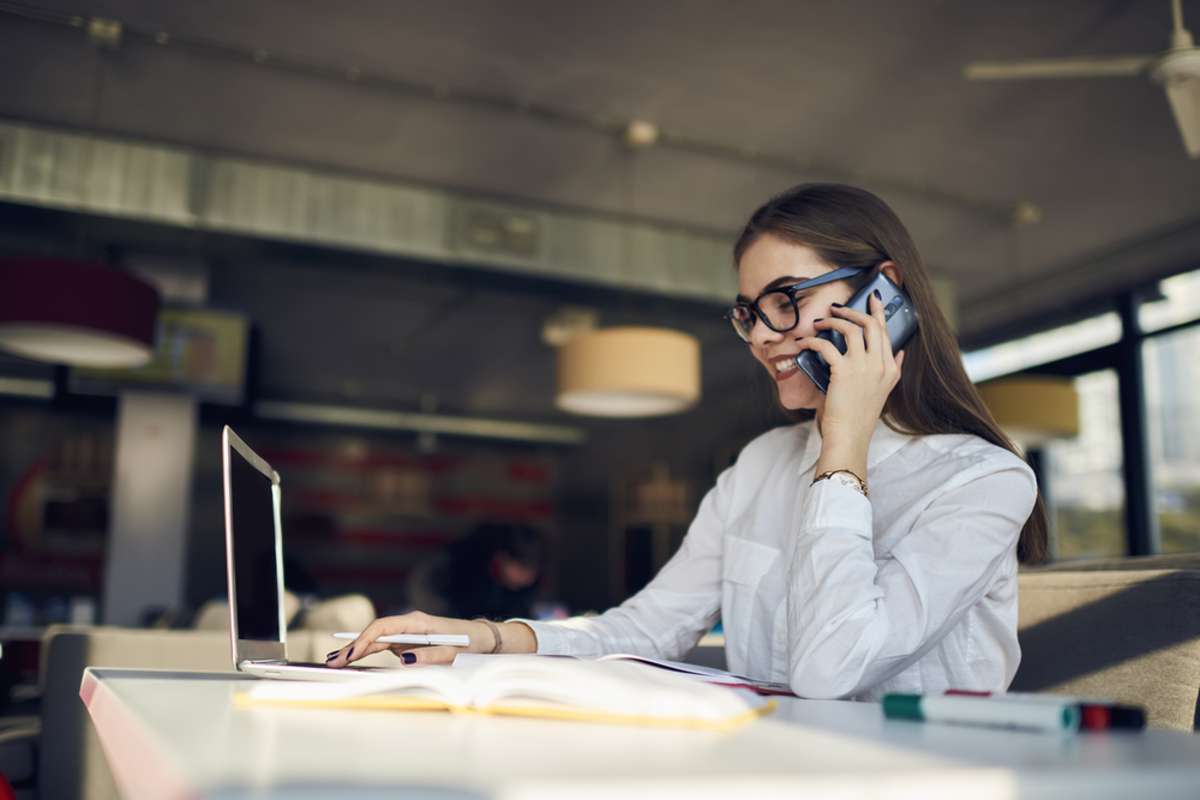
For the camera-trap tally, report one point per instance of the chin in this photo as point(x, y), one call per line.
point(798, 393)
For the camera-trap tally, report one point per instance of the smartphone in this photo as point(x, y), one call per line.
point(901, 325)
point(413, 638)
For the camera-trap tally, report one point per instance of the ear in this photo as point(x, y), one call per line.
point(890, 269)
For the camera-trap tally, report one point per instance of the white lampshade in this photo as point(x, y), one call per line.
point(629, 372)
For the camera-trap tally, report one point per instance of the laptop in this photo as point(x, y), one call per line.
point(254, 565)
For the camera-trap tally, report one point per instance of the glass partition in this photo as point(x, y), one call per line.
point(1172, 366)
point(1086, 491)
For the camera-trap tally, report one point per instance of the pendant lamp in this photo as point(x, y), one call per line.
point(1033, 409)
point(629, 372)
point(76, 313)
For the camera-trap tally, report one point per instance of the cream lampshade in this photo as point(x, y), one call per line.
point(629, 372)
point(1033, 409)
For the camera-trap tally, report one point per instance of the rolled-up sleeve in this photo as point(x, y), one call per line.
point(853, 620)
point(667, 618)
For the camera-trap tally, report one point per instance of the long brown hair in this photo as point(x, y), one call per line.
point(850, 227)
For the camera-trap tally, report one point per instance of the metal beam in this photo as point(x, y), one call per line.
point(379, 419)
point(1141, 521)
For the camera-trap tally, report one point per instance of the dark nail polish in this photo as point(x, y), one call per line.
point(878, 295)
point(838, 305)
point(329, 656)
point(818, 319)
point(408, 658)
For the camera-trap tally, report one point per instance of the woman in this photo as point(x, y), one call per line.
point(871, 548)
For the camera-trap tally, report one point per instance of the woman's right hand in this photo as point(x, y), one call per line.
point(515, 638)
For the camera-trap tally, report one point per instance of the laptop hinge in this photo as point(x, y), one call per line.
point(265, 661)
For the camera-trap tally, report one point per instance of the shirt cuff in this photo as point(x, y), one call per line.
point(832, 505)
point(551, 638)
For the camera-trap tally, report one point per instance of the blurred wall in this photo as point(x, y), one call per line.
point(333, 328)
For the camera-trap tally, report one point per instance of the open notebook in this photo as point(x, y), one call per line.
point(706, 674)
point(621, 692)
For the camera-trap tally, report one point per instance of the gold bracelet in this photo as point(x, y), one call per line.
point(851, 482)
point(498, 642)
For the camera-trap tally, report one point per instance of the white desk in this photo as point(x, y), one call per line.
point(175, 735)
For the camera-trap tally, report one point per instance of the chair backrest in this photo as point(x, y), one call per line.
point(71, 763)
point(1130, 635)
point(1123, 563)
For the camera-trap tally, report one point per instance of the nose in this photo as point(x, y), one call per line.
point(762, 335)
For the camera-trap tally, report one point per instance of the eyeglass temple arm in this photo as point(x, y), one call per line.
point(838, 274)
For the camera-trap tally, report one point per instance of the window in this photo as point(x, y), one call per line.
point(1042, 348)
point(1173, 412)
point(1180, 303)
point(1084, 484)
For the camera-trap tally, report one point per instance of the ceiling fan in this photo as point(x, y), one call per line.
point(1177, 68)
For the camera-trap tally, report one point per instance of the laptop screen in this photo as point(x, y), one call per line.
point(255, 561)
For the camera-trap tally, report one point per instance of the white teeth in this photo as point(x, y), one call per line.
point(785, 365)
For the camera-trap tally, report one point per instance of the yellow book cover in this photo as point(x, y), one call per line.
point(546, 687)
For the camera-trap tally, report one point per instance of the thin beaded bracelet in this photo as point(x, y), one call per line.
point(495, 635)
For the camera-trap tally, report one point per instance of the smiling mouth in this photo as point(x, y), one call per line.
point(785, 367)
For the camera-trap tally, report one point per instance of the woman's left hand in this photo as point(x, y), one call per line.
point(861, 378)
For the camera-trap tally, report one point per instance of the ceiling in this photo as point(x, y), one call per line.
point(857, 91)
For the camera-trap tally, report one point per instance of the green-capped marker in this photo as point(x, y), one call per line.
point(902, 706)
point(1038, 714)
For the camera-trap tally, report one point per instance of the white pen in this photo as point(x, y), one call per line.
point(456, 640)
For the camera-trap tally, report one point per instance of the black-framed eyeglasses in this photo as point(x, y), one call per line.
point(777, 307)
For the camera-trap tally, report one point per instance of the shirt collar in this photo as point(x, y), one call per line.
point(884, 442)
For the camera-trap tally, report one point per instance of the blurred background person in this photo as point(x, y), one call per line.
point(494, 571)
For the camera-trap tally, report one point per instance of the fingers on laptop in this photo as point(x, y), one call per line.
point(359, 648)
point(353, 652)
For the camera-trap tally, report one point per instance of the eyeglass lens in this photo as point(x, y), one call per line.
point(777, 309)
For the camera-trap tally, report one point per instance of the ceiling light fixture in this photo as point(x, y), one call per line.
point(640, 134)
point(79, 314)
point(1033, 409)
point(629, 372)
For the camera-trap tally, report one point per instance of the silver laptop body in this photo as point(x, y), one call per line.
point(254, 569)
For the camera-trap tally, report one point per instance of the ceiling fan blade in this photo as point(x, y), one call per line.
point(1184, 96)
point(1085, 67)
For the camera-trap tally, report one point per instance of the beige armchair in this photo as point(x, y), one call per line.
point(1125, 632)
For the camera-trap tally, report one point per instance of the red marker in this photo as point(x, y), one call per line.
point(1093, 715)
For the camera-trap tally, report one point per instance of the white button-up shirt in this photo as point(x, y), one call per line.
point(912, 590)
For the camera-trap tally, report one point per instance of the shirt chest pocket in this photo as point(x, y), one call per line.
point(744, 565)
point(746, 561)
